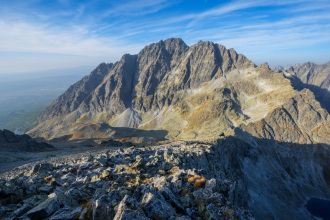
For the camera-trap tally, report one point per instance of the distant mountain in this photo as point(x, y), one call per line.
point(183, 92)
point(315, 77)
point(277, 67)
point(281, 68)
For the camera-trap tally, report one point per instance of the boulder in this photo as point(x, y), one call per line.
point(103, 208)
point(64, 199)
point(66, 214)
point(24, 209)
point(155, 206)
point(44, 167)
point(172, 199)
point(45, 209)
point(129, 209)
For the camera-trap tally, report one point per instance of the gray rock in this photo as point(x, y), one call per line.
point(155, 206)
point(313, 76)
point(44, 167)
point(64, 200)
point(185, 217)
point(172, 199)
point(102, 161)
point(129, 209)
point(24, 209)
point(74, 194)
point(45, 209)
point(103, 208)
point(35, 200)
point(45, 189)
point(66, 214)
point(189, 212)
point(83, 212)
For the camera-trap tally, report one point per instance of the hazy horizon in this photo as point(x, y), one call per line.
point(39, 36)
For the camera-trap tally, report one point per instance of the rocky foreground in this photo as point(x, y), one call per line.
point(132, 183)
point(229, 179)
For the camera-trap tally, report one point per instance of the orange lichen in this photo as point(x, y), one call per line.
point(200, 182)
point(191, 179)
point(146, 180)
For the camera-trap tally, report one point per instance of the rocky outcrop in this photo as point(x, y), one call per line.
point(12, 142)
point(233, 178)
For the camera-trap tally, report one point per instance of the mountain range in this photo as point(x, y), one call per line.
point(245, 142)
point(172, 91)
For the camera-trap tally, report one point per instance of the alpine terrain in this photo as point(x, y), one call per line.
point(183, 133)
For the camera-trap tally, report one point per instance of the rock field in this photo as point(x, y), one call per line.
point(133, 183)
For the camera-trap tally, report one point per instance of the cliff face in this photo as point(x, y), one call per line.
point(183, 92)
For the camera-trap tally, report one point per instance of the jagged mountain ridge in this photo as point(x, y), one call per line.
point(315, 77)
point(305, 122)
point(312, 74)
point(145, 70)
point(190, 92)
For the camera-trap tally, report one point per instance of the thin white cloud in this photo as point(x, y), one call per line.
point(137, 8)
point(26, 37)
point(123, 28)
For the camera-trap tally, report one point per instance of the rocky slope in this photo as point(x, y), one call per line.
point(229, 179)
point(186, 92)
point(300, 120)
point(315, 77)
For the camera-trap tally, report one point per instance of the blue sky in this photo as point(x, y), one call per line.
point(38, 35)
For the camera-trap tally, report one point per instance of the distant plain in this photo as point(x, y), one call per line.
point(23, 96)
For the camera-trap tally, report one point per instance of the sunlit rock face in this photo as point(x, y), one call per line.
point(187, 92)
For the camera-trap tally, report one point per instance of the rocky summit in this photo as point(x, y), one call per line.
point(178, 132)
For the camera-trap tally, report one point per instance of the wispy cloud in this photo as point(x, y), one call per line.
point(137, 8)
point(111, 28)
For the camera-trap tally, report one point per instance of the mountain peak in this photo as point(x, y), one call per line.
point(264, 66)
point(180, 91)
